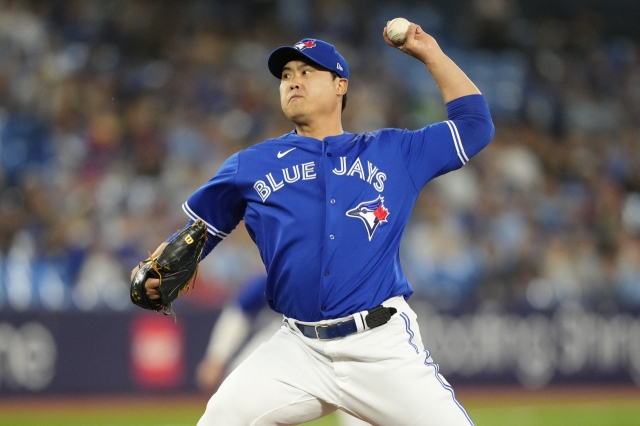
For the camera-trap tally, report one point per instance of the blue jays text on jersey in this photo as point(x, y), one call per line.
point(292, 174)
point(328, 216)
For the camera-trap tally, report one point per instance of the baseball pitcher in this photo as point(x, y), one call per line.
point(327, 209)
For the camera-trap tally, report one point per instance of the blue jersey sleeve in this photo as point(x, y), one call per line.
point(442, 147)
point(218, 202)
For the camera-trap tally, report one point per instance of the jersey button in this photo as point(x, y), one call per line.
point(333, 201)
point(326, 143)
point(326, 272)
point(328, 154)
point(331, 236)
point(323, 308)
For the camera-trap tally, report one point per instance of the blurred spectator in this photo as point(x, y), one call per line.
point(112, 113)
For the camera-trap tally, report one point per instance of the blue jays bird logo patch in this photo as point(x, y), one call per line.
point(372, 213)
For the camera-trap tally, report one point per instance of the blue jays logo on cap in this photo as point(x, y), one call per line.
point(304, 44)
point(372, 213)
point(317, 51)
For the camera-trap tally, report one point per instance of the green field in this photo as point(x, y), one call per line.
point(602, 413)
point(503, 409)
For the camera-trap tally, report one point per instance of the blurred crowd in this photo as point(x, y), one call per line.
point(113, 112)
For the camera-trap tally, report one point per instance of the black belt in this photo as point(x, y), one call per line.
point(375, 318)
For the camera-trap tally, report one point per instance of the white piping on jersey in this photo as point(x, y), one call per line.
point(457, 142)
point(215, 232)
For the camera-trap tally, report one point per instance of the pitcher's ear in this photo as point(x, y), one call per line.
point(343, 85)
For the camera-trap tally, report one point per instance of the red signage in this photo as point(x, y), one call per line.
point(157, 352)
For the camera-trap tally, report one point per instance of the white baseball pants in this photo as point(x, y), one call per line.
point(383, 376)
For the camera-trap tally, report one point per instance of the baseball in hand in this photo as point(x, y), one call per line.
point(397, 30)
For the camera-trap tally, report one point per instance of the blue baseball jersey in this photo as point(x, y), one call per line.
point(250, 297)
point(328, 216)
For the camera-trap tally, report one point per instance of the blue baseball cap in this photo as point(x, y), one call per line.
point(317, 51)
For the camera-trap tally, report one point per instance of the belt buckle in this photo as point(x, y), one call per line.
point(321, 326)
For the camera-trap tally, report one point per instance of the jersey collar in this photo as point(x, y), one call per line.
point(345, 137)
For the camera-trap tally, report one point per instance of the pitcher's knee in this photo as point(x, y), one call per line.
point(222, 410)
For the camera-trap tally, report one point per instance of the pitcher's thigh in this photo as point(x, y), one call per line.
point(415, 395)
point(400, 384)
point(275, 385)
point(438, 404)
